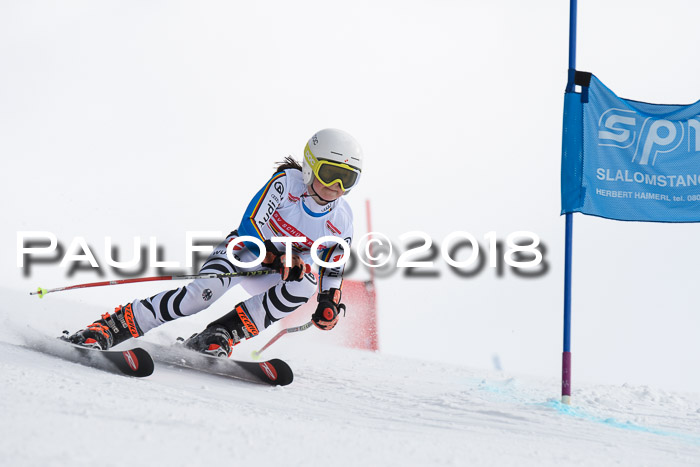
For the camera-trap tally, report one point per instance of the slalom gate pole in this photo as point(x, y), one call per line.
point(303, 327)
point(41, 292)
point(566, 354)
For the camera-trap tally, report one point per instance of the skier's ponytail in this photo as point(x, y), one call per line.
point(288, 163)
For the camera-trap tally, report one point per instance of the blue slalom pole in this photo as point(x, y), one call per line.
point(572, 45)
point(566, 355)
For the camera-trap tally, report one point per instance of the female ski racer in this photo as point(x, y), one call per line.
point(298, 201)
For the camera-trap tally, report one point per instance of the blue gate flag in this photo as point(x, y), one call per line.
point(629, 160)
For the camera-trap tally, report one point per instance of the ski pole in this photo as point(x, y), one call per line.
point(41, 292)
point(303, 327)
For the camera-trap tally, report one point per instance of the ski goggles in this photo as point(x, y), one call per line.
point(328, 173)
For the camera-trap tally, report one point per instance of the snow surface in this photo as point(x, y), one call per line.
point(345, 407)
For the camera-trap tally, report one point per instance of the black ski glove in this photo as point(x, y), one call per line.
point(328, 310)
point(276, 260)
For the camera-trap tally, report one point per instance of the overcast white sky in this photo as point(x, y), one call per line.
point(155, 118)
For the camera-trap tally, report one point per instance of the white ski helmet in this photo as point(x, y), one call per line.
point(333, 156)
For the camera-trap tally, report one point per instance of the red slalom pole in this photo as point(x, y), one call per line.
point(41, 292)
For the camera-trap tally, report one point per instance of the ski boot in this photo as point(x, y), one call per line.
point(107, 332)
point(220, 336)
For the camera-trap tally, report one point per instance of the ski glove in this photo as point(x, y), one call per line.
point(328, 310)
point(276, 260)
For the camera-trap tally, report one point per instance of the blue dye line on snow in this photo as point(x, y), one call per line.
point(582, 414)
point(507, 390)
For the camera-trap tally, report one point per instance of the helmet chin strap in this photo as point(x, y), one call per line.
point(317, 195)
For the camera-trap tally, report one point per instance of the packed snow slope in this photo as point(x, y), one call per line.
point(345, 407)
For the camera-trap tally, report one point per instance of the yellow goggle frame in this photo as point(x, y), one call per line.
point(329, 172)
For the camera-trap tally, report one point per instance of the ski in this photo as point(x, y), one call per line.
point(135, 362)
point(273, 372)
